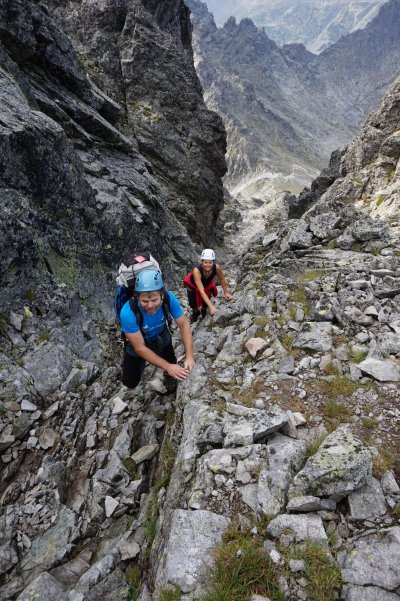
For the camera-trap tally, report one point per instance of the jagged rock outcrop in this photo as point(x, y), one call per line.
point(317, 25)
point(286, 109)
point(161, 96)
point(77, 192)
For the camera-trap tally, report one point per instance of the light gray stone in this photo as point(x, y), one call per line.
point(389, 484)
point(129, 550)
point(341, 465)
point(309, 503)
point(43, 588)
point(50, 548)
point(118, 406)
point(192, 536)
point(145, 453)
point(297, 565)
point(374, 562)
point(110, 505)
point(315, 336)
point(367, 502)
point(6, 440)
point(243, 425)
point(304, 527)
point(322, 225)
point(383, 371)
point(8, 557)
point(28, 406)
point(97, 572)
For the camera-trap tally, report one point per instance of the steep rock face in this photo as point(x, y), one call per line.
point(317, 23)
point(77, 194)
point(286, 109)
point(161, 97)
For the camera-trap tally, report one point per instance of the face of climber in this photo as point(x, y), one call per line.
point(150, 301)
point(207, 265)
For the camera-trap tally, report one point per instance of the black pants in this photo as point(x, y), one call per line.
point(192, 300)
point(132, 367)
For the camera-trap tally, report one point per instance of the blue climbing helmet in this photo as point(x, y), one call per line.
point(149, 280)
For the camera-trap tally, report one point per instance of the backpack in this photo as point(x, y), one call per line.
point(127, 273)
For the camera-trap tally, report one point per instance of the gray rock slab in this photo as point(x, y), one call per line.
point(28, 406)
point(315, 336)
point(48, 366)
point(367, 593)
point(145, 453)
point(383, 371)
point(44, 588)
point(323, 224)
point(367, 502)
point(304, 527)
point(97, 572)
point(118, 406)
point(129, 550)
point(309, 503)
point(6, 440)
point(285, 455)
point(50, 548)
point(243, 426)
point(78, 376)
point(375, 563)
point(110, 505)
point(8, 557)
point(69, 573)
point(389, 484)
point(193, 534)
point(341, 465)
point(250, 496)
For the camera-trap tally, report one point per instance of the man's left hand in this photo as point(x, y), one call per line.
point(228, 296)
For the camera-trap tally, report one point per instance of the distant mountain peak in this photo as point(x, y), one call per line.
point(316, 23)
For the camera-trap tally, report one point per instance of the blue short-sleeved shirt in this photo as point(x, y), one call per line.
point(152, 324)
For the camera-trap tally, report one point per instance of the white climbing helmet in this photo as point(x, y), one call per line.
point(208, 254)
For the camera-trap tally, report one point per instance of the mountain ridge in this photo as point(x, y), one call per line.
point(289, 109)
point(317, 25)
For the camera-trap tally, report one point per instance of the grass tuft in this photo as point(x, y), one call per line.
point(335, 410)
point(170, 595)
point(241, 569)
point(134, 579)
point(311, 275)
point(323, 575)
point(340, 386)
point(369, 422)
point(313, 445)
point(358, 356)
point(383, 462)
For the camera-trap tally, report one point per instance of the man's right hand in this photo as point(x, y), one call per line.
point(176, 371)
point(213, 311)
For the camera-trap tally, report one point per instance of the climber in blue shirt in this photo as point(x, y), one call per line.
point(144, 322)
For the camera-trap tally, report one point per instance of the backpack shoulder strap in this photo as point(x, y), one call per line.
point(136, 311)
point(166, 307)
